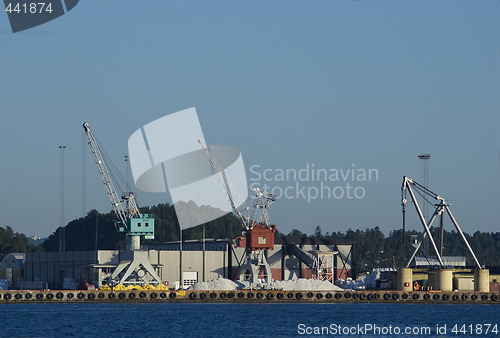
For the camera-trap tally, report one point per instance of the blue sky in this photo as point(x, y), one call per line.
point(327, 82)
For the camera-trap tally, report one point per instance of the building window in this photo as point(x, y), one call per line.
point(262, 240)
point(146, 225)
point(139, 225)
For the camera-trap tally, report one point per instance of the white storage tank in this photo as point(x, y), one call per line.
point(405, 279)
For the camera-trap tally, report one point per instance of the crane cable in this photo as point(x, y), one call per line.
point(116, 177)
point(421, 192)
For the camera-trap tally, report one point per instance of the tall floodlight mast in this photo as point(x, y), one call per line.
point(62, 229)
point(425, 179)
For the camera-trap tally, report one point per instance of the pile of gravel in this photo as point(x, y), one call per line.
point(306, 285)
point(368, 282)
point(289, 285)
point(217, 284)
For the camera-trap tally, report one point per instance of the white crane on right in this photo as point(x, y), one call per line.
point(441, 207)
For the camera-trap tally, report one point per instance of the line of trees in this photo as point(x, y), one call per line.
point(371, 248)
point(11, 242)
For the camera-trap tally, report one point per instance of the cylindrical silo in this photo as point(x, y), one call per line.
point(482, 280)
point(405, 279)
point(445, 280)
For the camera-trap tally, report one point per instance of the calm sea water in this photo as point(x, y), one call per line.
point(246, 320)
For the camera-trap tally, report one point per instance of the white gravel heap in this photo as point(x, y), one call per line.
point(370, 281)
point(306, 285)
point(217, 284)
point(289, 285)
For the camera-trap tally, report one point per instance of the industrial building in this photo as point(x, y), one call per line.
point(200, 261)
point(213, 259)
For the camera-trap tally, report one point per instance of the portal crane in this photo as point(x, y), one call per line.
point(441, 207)
point(135, 268)
point(259, 233)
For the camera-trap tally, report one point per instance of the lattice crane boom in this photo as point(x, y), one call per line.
point(106, 178)
point(221, 176)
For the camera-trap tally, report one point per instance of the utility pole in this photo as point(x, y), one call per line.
point(62, 234)
point(203, 242)
point(181, 281)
